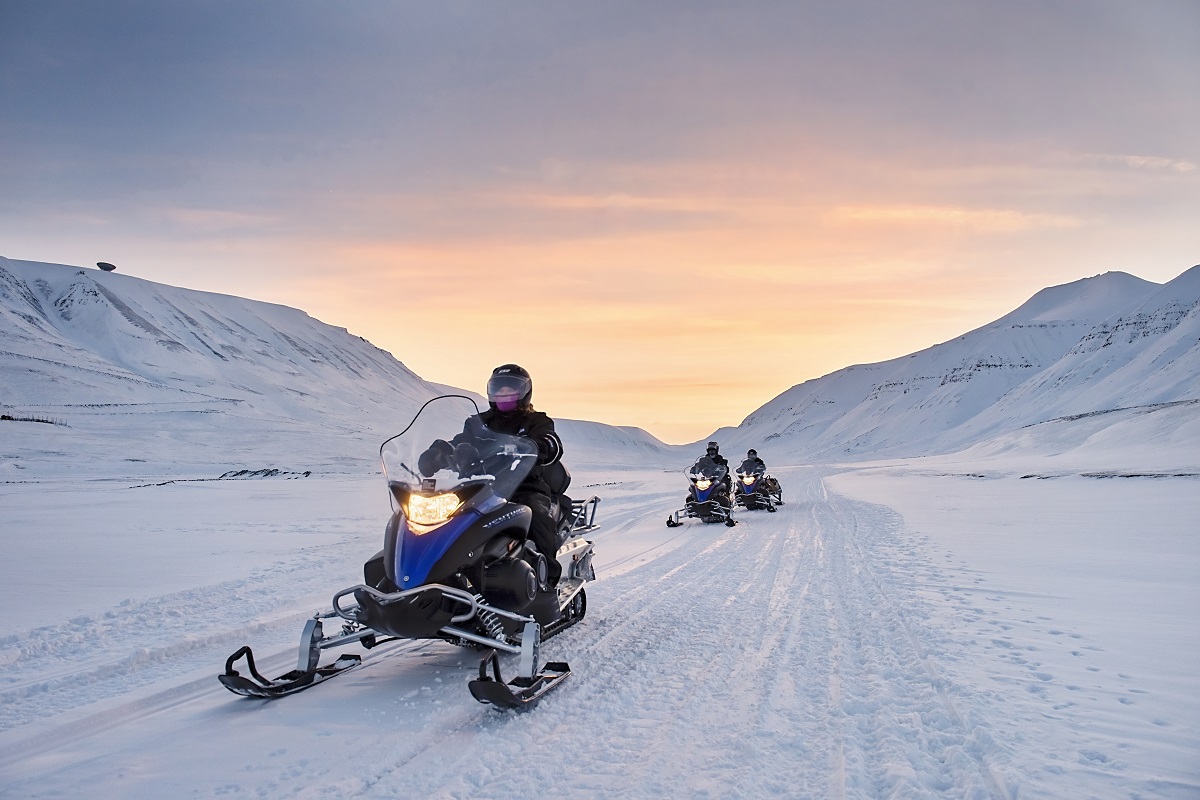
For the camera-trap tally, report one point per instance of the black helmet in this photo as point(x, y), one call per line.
point(751, 453)
point(712, 448)
point(509, 388)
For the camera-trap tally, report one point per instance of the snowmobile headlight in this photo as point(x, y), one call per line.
point(703, 483)
point(747, 479)
point(432, 510)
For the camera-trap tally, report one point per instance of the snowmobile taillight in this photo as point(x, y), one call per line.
point(431, 511)
point(703, 483)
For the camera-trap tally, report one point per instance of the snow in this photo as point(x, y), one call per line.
point(1011, 618)
point(1077, 608)
point(888, 633)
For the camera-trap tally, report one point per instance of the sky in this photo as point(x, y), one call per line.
point(668, 212)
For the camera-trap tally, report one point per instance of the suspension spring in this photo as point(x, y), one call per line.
point(489, 621)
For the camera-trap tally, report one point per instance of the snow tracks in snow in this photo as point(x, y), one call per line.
point(783, 657)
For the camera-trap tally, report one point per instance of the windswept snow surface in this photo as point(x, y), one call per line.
point(895, 630)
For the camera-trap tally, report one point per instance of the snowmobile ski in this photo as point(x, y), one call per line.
point(520, 692)
point(288, 683)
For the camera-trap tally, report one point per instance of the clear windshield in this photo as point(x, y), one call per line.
point(750, 467)
point(707, 468)
point(447, 447)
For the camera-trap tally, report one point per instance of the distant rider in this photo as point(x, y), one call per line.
point(753, 464)
point(714, 455)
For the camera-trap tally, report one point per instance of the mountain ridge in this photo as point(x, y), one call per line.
point(97, 350)
point(138, 369)
point(993, 379)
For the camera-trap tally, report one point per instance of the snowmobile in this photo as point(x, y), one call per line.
point(708, 495)
point(457, 563)
point(755, 489)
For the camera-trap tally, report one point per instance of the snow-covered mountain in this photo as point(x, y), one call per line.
point(87, 337)
point(188, 382)
point(1098, 344)
point(143, 373)
point(1148, 354)
point(596, 444)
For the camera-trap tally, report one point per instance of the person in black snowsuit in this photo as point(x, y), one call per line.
point(751, 465)
point(510, 411)
point(769, 485)
point(714, 454)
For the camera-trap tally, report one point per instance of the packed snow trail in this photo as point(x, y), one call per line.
point(780, 657)
point(822, 651)
point(770, 659)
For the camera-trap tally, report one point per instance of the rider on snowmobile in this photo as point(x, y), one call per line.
point(753, 463)
point(510, 411)
point(714, 454)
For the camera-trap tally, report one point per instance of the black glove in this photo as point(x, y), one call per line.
point(437, 457)
point(467, 461)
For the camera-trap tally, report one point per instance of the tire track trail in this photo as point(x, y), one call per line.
point(770, 659)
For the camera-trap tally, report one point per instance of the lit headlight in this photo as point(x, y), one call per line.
point(747, 479)
point(703, 483)
point(431, 510)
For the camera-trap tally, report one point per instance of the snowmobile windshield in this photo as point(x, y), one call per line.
point(750, 467)
point(447, 447)
point(707, 469)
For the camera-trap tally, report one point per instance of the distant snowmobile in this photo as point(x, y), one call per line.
point(708, 495)
point(755, 489)
point(456, 565)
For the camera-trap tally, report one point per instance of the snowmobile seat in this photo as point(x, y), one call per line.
point(557, 477)
point(564, 511)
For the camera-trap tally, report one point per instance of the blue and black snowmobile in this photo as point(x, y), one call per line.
point(755, 489)
point(708, 495)
point(457, 563)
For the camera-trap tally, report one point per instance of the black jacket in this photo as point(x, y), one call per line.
point(719, 459)
point(533, 425)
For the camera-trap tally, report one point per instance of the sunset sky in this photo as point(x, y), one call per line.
point(669, 212)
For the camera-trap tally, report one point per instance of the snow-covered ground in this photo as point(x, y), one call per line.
point(901, 629)
point(1069, 606)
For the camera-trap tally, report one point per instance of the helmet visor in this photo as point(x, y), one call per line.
point(508, 391)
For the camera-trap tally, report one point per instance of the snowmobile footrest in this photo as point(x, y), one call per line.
point(519, 692)
point(288, 683)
